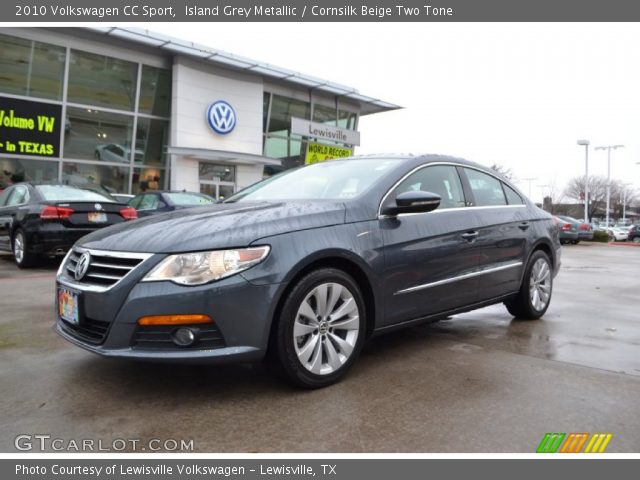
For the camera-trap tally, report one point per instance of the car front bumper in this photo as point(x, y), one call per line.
point(241, 314)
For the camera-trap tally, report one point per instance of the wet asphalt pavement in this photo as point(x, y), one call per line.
point(480, 382)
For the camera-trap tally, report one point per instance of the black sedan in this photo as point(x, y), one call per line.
point(306, 265)
point(151, 203)
point(46, 220)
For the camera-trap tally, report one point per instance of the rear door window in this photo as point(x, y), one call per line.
point(487, 190)
point(149, 202)
point(512, 196)
point(20, 196)
point(135, 202)
point(186, 199)
point(5, 196)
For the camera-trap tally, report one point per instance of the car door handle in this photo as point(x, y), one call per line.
point(524, 225)
point(470, 236)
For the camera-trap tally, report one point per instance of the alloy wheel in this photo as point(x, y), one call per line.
point(540, 284)
point(18, 248)
point(326, 328)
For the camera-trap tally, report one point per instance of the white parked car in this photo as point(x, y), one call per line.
point(618, 234)
point(113, 152)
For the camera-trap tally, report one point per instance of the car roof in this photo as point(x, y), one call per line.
point(423, 158)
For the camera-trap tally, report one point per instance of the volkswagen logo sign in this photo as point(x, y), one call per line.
point(82, 266)
point(97, 206)
point(221, 117)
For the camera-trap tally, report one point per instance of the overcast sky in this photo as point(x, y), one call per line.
point(519, 95)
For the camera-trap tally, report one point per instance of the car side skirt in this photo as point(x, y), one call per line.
point(440, 315)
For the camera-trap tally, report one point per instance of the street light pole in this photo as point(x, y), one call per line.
point(586, 178)
point(624, 202)
point(530, 179)
point(608, 148)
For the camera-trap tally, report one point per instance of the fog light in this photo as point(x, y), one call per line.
point(184, 337)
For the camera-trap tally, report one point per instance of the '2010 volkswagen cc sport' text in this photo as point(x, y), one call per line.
point(304, 266)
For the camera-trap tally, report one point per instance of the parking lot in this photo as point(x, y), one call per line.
point(479, 382)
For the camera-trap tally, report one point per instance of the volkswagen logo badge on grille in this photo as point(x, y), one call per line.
point(221, 117)
point(97, 206)
point(82, 266)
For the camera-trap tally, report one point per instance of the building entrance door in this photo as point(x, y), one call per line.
point(217, 181)
point(217, 190)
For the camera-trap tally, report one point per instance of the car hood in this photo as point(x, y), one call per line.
point(216, 226)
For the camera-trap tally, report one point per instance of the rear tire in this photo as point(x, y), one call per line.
point(321, 329)
point(636, 240)
point(21, 254)
point(534, 296)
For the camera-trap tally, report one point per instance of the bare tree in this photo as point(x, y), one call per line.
point(554, 197)
point(619, 193)
point(597, 192)
point(504, 171)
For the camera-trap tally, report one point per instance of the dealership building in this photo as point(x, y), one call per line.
point(131, 110)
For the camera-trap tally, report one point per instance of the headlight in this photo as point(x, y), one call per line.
point(203, 267)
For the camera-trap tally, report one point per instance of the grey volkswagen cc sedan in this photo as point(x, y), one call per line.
point(304, 266)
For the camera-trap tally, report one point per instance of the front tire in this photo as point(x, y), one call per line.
point(21, 254)
point(534, 297)
point(321, 329)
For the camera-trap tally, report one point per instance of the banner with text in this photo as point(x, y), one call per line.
point(325, 11)
point(29, 128)
point(316, 152)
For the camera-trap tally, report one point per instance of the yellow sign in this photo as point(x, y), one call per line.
point(317, 152)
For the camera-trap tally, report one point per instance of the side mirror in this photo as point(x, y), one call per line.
point(414, 201)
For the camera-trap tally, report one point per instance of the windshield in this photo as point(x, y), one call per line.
point(66, 193)
point(321, 181)
point(185, 199)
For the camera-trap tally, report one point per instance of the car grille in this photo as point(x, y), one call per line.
point(105, 268)
point(89, 330)
point(158, 337)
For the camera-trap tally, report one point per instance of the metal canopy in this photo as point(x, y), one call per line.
point(234, 158)
point(218, 57)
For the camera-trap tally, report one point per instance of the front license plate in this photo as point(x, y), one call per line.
point(97, 217)
point(68, 306)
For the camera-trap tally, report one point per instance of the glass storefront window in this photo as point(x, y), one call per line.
point(324, 114)
point(282, 110)
point(14, 170)
point(276, 147)
point(98, 177)
point(103, 81)
point(155, 91)
point(265, 110)
point(290, 150)
point(31, 68)
point(146, 179)
point(94, 134)
point(151, 141)
point(217, 173)
point(347, 119)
